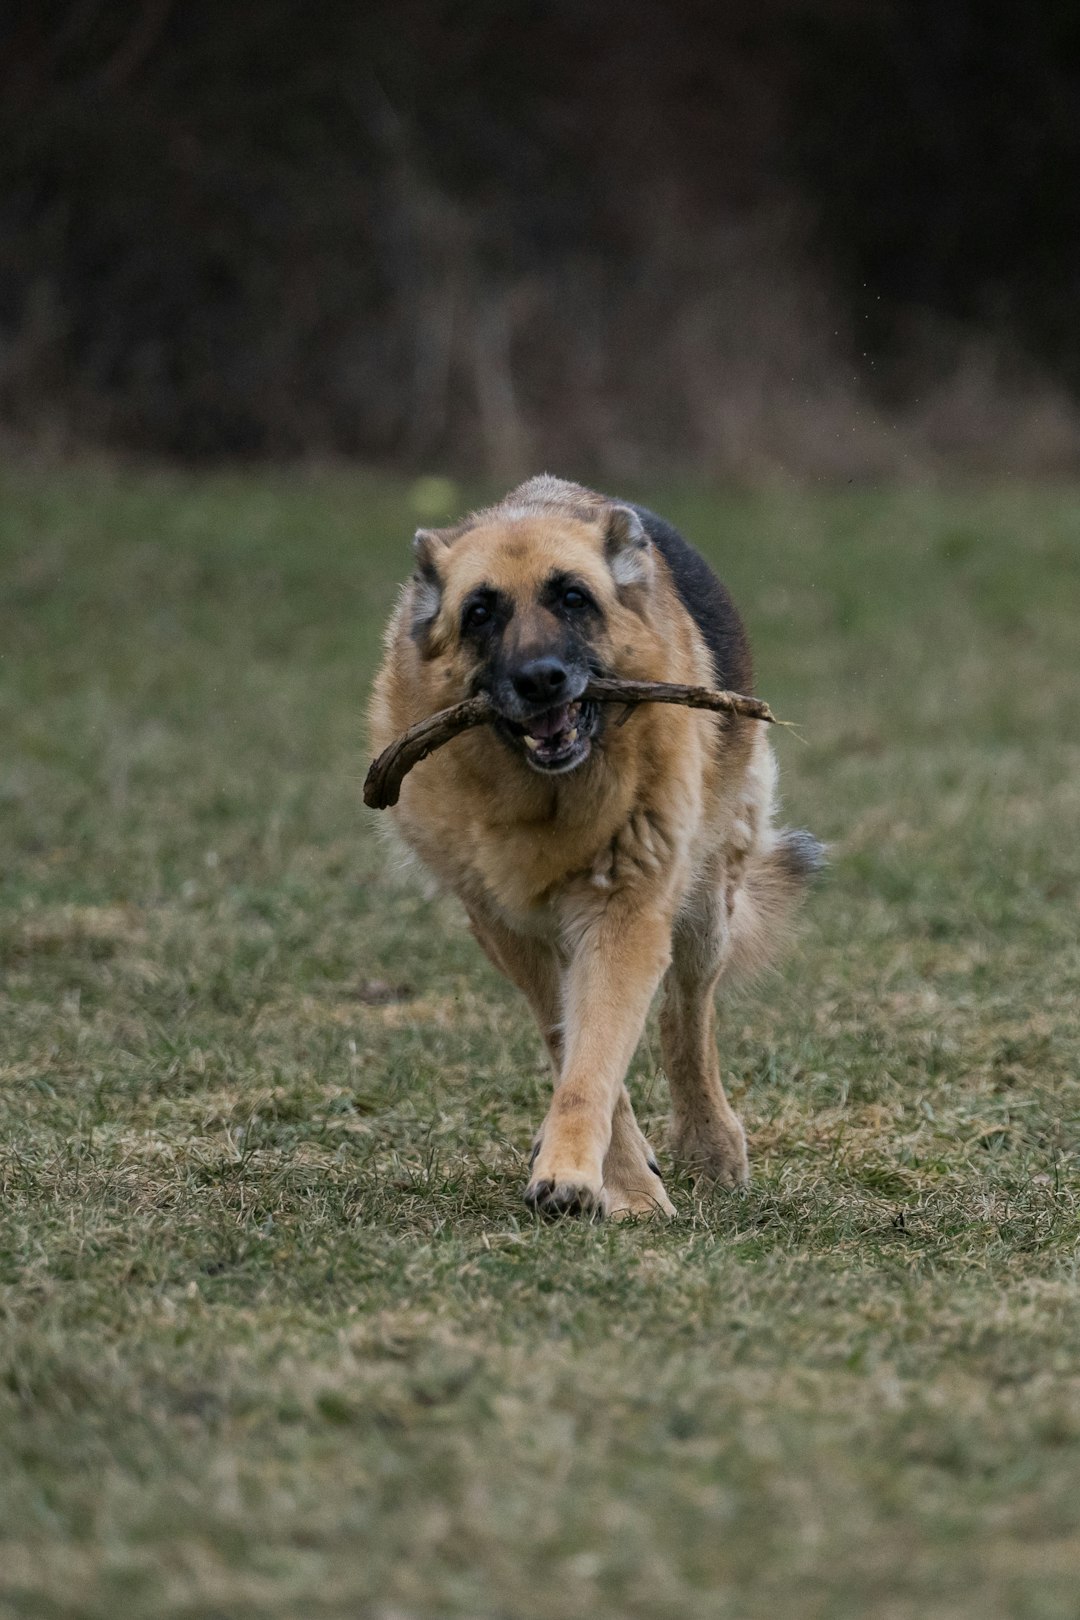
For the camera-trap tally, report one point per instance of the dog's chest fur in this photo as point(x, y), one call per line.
point(653, 795)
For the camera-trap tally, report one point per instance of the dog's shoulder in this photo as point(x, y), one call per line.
point(706, 600)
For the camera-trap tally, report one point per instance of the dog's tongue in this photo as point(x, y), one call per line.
point(550, 723)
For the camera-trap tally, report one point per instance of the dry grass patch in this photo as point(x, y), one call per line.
point(276, 1331)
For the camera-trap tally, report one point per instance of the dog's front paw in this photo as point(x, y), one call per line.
point(568, 1196)
point(563, 1188)
point(631, 1196)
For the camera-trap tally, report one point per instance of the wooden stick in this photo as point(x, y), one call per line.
point(691, 697)
point(386, 774)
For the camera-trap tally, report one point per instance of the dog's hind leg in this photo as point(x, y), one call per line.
point(706, 1135)
point(734, 925)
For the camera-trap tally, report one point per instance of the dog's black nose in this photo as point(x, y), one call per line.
point(541, 680)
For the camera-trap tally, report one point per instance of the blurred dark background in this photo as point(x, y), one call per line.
point(836, 238)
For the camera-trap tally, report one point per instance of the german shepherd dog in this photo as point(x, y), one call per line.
point(595, 859)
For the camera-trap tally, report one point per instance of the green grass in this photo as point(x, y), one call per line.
point(277, 1335)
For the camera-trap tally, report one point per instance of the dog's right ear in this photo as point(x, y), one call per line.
point(427, 585)
point(627, 548)
point(428, 544)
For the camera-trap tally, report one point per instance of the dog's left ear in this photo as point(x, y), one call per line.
point(627, 547)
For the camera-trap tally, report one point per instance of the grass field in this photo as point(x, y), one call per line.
point(277, 1335)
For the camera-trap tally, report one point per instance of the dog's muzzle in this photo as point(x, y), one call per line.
point(553, 740)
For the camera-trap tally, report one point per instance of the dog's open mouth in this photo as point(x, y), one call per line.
point(556, 739)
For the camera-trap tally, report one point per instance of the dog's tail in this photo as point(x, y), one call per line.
point(772, 887)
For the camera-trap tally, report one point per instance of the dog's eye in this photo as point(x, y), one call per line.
point(476, 614)
point(573, 598)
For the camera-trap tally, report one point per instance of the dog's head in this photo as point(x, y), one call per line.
point(525, 608)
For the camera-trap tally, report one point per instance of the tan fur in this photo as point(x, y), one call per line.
point(655, 860)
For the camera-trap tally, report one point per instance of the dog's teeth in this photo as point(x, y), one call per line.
point(532, 743)
point(571, 736)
